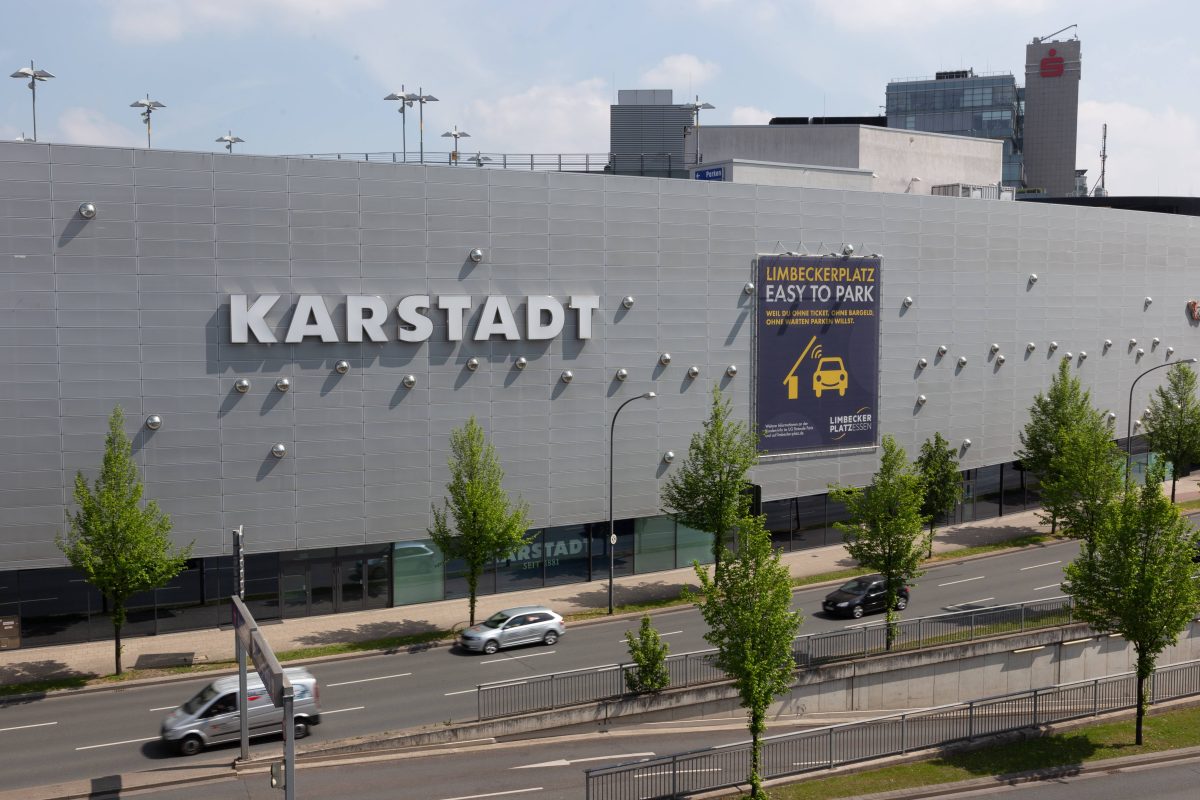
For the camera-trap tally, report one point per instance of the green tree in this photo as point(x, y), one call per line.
point(884, 531)
point(708, 490)
point(1050, 417)
point(940, 481)
point(648, 652)
point(120, 546)
point(1086, 476)
point(1173, 424)
point(477, 523)
point(1137, 580)
point(747, 606)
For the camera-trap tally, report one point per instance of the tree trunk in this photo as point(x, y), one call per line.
point(117, 644)
point(472, 587)
point(930, 538)
point(1145, 667)
point(890, 620)
point(756, 729)
point(1174, 477)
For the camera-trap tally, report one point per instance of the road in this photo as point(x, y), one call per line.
point(60, 738)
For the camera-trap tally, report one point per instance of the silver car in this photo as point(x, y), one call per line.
point(513, 626)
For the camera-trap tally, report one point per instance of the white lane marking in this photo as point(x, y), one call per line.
point(368, 680)
point(971, 602)
point(464, 691)
point(964, 580)
point(668, 633)
point(340, 710)
point(165, 708)
point(1051, 586)
point(562, 762)
point(35, 725)
point(114, 744)
point(1035, 566)
point(496, 794)
point(514, 658)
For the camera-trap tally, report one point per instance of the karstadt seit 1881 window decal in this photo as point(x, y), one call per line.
point(817, 362)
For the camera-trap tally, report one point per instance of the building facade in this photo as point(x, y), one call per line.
point(356, 283)
point(1052, 74)
point(647, 130)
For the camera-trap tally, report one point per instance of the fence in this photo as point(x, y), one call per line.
point(825, 748)
point(671, 164)
point(555, 690)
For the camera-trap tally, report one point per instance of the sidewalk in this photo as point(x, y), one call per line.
point(210, 645)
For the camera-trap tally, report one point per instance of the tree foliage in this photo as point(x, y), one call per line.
point(884, 531)
point(1137, 579)
point(120, 546)
point(478, 523)
point(747, 607)
point(1173, 422)
point(1050, 417)
point(648, 652)
point(1086, 476)
point(941, 482)
point(707, 492)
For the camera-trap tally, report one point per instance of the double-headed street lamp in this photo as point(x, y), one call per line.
point(1129, 414)
point(456, 134)
point(697, 107)
point(421, 99)
point(34, 75)
point(148, 107)
point(230, 140)
point(406, 100)
point(612, 536)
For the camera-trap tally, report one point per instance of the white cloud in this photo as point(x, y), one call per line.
point(680, 71)
point(170, 20)
point(1150, 151)
point(749, 115)
point(544, 119)
point(88, 126)
point(919, 14)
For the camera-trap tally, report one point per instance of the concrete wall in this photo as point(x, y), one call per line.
point(132, 308)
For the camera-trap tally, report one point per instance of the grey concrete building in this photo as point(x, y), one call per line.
point(144, 306)
point(1052, 74)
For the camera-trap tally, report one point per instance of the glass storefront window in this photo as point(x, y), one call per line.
point(780, 522)
point(622, 551)
point(456, 580)
point(416, 572)
point(692, 545)
point(987, 492)
point(810, 522)
point(653, 544)
point(566, 552)
point(523, 569)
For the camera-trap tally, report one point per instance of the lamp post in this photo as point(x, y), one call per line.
point(421, 98)
point(697, 107)
point(230, 140)
point(612, 536)
point(456, 134)
point(34, 75)
point(406, 100)
point(148, 107)
point(1129, 414)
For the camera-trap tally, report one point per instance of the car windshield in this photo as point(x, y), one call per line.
point(496, 620)
point(201, 699)
point(856, 586)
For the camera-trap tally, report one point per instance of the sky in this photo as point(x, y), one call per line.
point(309, 76)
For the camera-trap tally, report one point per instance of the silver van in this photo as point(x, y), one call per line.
point(211, 716)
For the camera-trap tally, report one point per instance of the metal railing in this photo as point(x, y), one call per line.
point(607, 163)
point(824, 748)
point(592, 684)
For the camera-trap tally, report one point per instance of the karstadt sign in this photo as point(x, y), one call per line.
point(367, 318)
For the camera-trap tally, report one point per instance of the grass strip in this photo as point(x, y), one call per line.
point(1168, 730)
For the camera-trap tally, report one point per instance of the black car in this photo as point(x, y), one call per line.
point(861, 596)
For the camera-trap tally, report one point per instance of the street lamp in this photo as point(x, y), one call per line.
point(421, 98)
point(230, 140)
point(612, 536)
point(697, 107)
point(1129, 414)
point(34, 75)
point(456, 134)
point(406, 100)
point(148, 107)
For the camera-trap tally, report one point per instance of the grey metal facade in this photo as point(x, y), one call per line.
point(1052, 74)
point(132, 307)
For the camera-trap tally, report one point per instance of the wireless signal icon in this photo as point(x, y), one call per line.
point(816, 353)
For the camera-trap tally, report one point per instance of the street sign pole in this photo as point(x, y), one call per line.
point(239, 566)
point(289, 746)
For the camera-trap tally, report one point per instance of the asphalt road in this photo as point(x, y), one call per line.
point(91, 735)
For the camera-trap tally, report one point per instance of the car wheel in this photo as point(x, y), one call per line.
point(190, 745)
point(491, 646)
point(550, 638)
point(300, 730)
point(902, 604)
point(856, 612)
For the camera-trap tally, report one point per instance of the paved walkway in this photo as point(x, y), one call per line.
point(217, 645)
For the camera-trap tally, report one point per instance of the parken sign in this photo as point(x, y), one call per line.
point(367, 318)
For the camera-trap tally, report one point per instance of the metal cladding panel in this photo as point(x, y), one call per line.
point(133, 307)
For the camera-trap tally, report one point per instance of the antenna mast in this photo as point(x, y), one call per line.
point(1100, 190)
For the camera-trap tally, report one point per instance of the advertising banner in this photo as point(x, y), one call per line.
point(816, 353)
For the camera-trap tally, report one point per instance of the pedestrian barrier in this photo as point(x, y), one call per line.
point(592, 684)
point(682, 774)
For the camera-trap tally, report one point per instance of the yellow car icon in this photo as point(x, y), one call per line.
point(830, 375)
